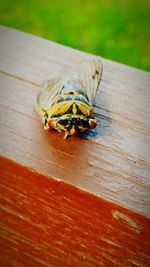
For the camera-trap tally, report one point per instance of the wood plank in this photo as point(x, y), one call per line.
point(53, 225)
point(115, 160)
point(83, 201)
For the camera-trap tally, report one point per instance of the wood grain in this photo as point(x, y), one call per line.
point(52, 225)
point(110, 162)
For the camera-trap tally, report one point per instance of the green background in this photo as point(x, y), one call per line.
point(117, 30)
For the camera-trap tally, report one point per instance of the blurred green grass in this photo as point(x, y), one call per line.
point(117, 30)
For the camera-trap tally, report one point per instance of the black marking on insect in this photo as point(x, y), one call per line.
point(95, 74)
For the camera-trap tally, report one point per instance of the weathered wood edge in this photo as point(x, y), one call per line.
point(54, 210)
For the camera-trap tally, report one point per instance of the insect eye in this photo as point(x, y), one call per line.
point(92, 123)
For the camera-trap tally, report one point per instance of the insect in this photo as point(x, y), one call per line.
point(65, 103)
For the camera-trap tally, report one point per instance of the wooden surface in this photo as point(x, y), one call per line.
point(46, 221)
point(49, 223)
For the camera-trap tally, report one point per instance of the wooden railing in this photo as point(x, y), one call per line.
point(80, 201)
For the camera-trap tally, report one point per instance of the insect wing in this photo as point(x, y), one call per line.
point(49, 91)
point(89, 74)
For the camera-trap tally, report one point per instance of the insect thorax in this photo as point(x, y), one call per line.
point(72, 101)
point(70, 111)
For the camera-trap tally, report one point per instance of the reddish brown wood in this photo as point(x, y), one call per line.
point(49, 223)
point(75, 202)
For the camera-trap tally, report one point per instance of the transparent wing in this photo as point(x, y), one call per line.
point(49, 91)
point(89, 74)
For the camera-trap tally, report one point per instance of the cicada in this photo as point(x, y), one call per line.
point(65, 103)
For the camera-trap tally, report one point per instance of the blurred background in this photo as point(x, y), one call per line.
point(116, 30)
